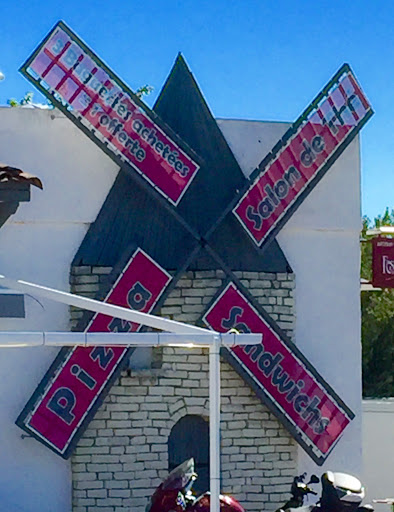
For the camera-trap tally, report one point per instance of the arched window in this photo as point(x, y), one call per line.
point(190, 438)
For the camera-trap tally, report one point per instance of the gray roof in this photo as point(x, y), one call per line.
point(134, 215)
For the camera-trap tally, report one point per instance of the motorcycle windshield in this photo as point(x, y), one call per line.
point(180, 476)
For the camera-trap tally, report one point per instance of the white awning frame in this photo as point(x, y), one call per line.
point(9, 339)
point(179, 334)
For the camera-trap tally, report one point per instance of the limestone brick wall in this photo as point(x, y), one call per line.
point(123, 455)
point(196, 289)
point(85, 280)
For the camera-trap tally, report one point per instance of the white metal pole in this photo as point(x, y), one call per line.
point(214, 421)
point(100, 307)
point(9, 339)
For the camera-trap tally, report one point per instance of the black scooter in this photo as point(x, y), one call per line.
point(340, 493)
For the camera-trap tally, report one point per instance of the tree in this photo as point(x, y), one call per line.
point(26, 100)
point(377, 322)
point(144, 90)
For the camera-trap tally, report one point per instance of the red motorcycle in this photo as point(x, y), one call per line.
point(175, 494)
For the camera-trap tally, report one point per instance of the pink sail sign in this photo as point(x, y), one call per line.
point(63, 403)
point(283, 378)
point(302, 157)
point(83, 87)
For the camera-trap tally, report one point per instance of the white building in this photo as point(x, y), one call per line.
point(39, 242)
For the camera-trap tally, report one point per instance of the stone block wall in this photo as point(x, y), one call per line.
point(85, 280)
point(195, 290)
point(123, 455)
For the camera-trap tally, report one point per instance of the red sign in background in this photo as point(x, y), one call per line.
point(302, 159)
point(288, 383)
point(383, 262)
point(77, 384)
point(99, 101)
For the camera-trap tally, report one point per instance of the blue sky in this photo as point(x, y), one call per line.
point(253, 59)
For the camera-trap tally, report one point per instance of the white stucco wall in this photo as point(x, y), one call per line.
point(378, 443)
point(321, 243)
point(38, 244)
